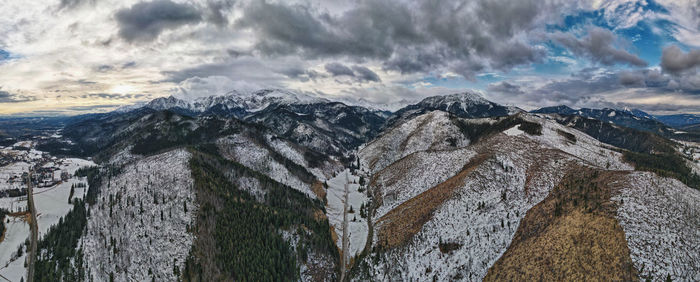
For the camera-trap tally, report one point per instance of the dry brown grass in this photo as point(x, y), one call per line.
point(400, 224)
point(334, 237)
point(572, 235)
point(317, 188)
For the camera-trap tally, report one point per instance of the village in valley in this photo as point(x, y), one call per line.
point(55, 188)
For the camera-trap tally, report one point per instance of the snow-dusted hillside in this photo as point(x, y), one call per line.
point(138, 229)
point(661, 220)
point(584, 147)
point(450, 214)
point(479, 217)
point(274, 159)
point(415, 173)
point(431, 131)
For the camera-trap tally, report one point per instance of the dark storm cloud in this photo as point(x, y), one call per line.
point(358, 73)
point(338, 69)
point(245, 68)
point(575, 89)
point(70, 4)
point(365, 74)
point(408, 37)
point(675, 61)
point(632, 79)
point(300, 73)
point(599, 46)
point(572, 91)
point(292, 72)
point(144, 21)
point(658, 107)
point(129, 65)
point(505, 87)
point(7, 97)
point(206, 70)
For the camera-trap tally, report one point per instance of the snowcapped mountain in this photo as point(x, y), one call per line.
point(595, 113)
point(635, 119)
point(466, 105)
point(639, 113)
point(234, 103)
point(317, 123)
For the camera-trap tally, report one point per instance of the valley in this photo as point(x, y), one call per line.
point(31, 210)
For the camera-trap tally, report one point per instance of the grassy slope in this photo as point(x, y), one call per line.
point(571, 235)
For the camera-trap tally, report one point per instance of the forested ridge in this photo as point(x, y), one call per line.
point(247, 236)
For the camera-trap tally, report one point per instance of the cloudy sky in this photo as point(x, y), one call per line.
point(78, 56)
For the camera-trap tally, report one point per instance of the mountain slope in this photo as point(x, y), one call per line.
point(333, 128)
point(330, 127)
point(462, 208)
point(679, 121)
point(138, 228)
point(433, 130)
point(465, 105)
point(632, 119)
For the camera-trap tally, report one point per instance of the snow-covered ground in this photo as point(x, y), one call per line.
point(357, 226)
point(416, 173)
point(248, 153)
point(692, 151)
point(294, 154)
point(586, 147)
point(433, 130)
point(13, 169)
point(144, 229)
point(661, 220)
point(51, 204)
point(14, 204)
point(513, 131)
point(17, 232)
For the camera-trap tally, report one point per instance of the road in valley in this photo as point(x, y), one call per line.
point(34, 229)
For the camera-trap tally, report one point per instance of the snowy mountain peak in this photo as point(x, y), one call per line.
point(463, 99)
point(638, 113)
point(236, 100)
point(167, 103)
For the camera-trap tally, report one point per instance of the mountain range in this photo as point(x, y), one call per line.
point(453, 187)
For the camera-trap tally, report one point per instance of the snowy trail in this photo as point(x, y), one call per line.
point(345, 199)
point(343, 261)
